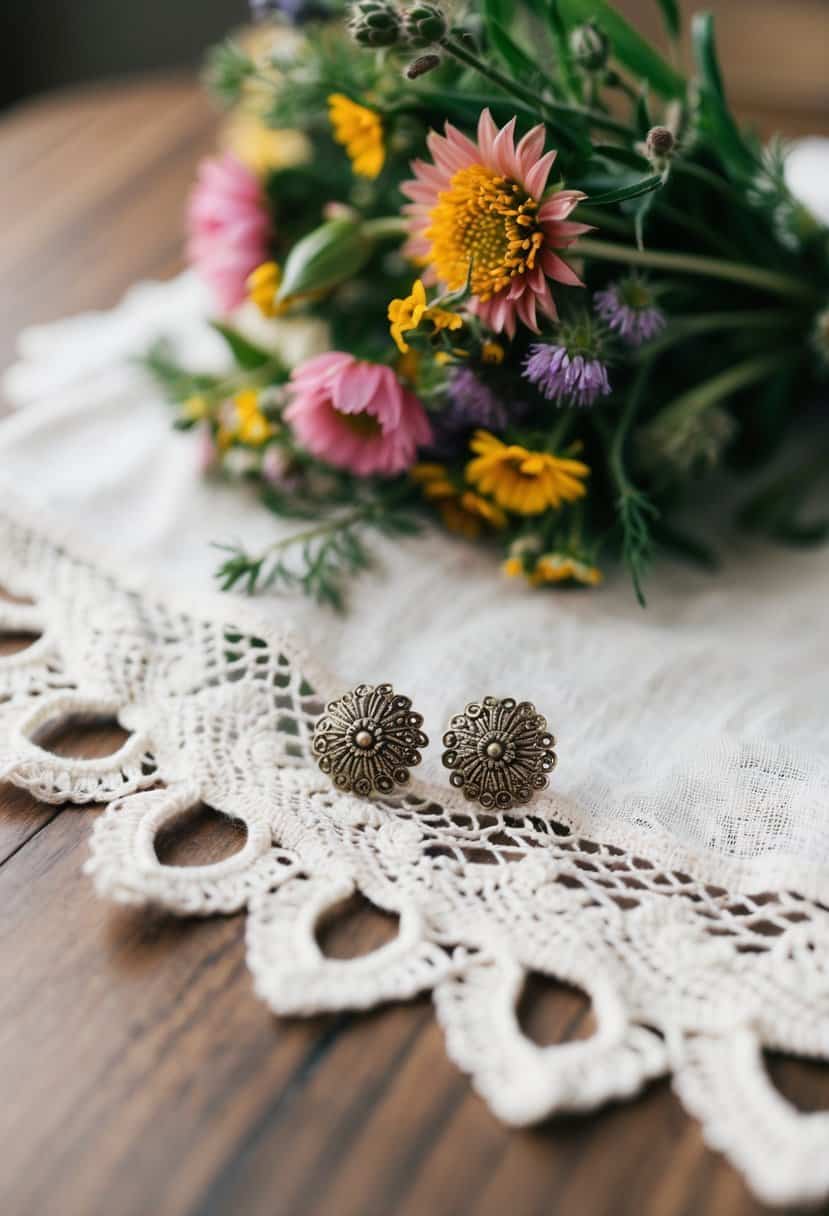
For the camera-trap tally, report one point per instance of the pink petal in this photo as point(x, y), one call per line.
point(530, 148)
point(560, 205)
point(536, 179)
point(503, 150)
point(487, 134)
point(556, 268)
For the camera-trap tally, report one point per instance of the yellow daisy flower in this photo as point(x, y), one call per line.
point(360, 131)
point(263, 149)
point(492, 352)
point(408, 314)
point(195, 408)
point(247, 423)
point(263, 284)
point(561, 568)
point(462, 511)
point(522, 481)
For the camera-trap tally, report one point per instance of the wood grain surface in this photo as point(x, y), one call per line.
point(140, 1074)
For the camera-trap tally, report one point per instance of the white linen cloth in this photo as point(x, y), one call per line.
point(696, 729)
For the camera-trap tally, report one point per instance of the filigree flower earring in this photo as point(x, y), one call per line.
point(500, 752)
point(368, 739)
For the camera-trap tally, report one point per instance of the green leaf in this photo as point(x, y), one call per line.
point(629, 48)
point(624, 192)
point(558, 30)
point(496, 20)
point(717, 119)
point(246, 353)
point(620, 156)
point(671, 16)
point(644, 121)
point(329, 255)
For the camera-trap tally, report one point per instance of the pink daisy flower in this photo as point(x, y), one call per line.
point(228, 227)
point(356, 415)
point(481, 202)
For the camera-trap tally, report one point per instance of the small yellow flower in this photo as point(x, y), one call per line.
point(195, 408)
point(513, 567)
point(408, 366)
point(522, 481)
point(492, 352)
point(263, 149)
point(360, 131)
point(246, 423)
point(444, 357)
point(263, 284)
point(561, 568)
point(408, 314)
point(462, 511)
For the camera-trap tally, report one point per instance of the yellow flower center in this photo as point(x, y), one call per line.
point(365, 425)
point(486, 219)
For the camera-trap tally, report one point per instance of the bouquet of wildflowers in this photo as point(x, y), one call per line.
point(547, 286)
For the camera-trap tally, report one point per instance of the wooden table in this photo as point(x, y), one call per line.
point(140, 1074)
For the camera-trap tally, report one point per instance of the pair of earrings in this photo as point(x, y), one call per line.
point(499, 750)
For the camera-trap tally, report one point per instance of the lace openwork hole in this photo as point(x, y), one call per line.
point(13, 641)
point(803, 1083)
point(355, 927)
point(550, 1011)
point(9, 597)
point(199, 836)
point(81, 737)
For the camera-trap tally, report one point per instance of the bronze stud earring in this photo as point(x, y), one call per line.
point(500, 752)
point(367, 740)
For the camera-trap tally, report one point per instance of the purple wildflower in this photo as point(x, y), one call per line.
point(473, 403)
point(628, 308)
point(296, 11)
point(564, 378)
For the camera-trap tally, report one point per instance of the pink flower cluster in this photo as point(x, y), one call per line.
point(228, 228)
point(356, 415)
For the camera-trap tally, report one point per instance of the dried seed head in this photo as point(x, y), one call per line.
point(424, 24)
point(422, 65)
point(374, 23)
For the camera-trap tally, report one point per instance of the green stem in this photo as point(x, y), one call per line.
point(550, 109)
point(602, 219)
point(559, 432)
point(617, 445)
point(702, 396)
point(385, 225)
point(247, 378)
point(333, 524)
point(696, 264)
point(681, 328)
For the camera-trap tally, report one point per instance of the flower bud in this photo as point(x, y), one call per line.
point(422, 65)
point(335, 251)
point(424, 24)
point(374, 23)
point(589, 46)
point(660, 143)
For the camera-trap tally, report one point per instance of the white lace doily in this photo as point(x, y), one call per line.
point(676, 872)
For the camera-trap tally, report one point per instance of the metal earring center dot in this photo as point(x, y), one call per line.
point(495, 750)
point(364, 739)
